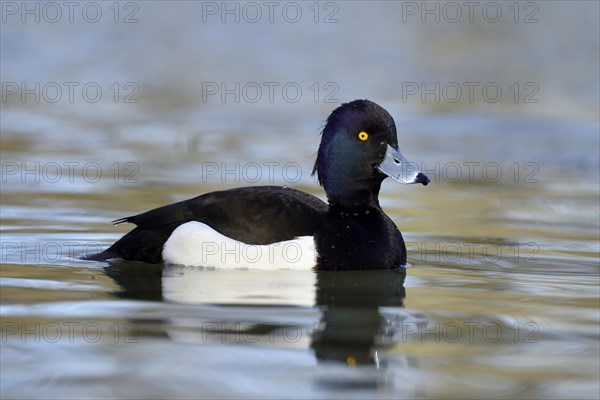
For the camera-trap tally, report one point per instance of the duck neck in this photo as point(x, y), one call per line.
point(356, 200)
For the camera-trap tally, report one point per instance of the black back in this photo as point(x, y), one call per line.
point(253, 215)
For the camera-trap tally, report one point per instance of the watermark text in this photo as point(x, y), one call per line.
point(69, 92)
point(67, 172)
point(68, 332)
point(269, 92)
point(251, 12)
point(53, 12)
point(469, 92)
point(453, 12)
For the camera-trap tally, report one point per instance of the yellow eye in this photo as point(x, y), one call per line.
point(363, 136)
point(351, 361)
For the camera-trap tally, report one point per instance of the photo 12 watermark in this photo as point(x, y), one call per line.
point(478, 171)
point(246, 332)
point(69, 92)
point(251, 172)
point(68, 332)
point(53, 12)
point(221, 252)
point(453, 12)
point(466, 332)
point(13, 172)
point(465, 253)
point(252, 12)
point(269, 92)
point(46, 252)
point(469, 92)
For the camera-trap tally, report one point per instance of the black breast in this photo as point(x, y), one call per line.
point(358, 239)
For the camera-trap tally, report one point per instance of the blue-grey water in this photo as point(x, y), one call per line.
point(112, 108)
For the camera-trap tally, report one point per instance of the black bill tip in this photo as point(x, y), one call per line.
point(422, 178)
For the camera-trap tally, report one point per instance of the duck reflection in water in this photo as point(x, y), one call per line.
point(351, 329)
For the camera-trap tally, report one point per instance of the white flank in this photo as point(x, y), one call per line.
point(197, 244)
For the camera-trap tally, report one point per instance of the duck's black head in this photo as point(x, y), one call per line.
point(358, 150)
